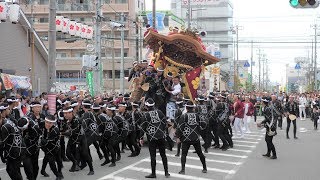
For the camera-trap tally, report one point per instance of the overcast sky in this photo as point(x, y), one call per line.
point(272, 20)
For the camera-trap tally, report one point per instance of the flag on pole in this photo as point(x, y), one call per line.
point(192, 82)
point(90, 82)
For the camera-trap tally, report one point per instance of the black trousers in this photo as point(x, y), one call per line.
point(214, 128)
point(132, 143)
point(294, 122)
point(31, 166)
point(13, 169)
point(71, 152)
point(84, 151)
point(224, 135)
point(270, 145)
point(97, 146)
point(55, 162)
point(111, 143)
point(63, 147)
point(315, 123)
point(161, 145)
point(185, 149)
point(206, 136)
point(280, 121)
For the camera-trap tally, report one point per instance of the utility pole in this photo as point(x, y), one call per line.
point(234, 68)
point(122, 56)
point(259, 69)
point(154, 14)
point(33, 82)
point(113, 61)
point(315, 58)
point(137, 38)
point(52, 46)
point(140, 38)
point(311, 68)
point(251, 76)
point(96, 75)
point(263, 73)
point(267, 77)
point(236, 29)
point(189, 14)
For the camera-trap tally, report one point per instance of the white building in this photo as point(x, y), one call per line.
point(215, 18)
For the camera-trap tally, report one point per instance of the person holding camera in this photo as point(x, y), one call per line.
point(270, 123)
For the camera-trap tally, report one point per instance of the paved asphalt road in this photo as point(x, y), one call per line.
point(297, 159)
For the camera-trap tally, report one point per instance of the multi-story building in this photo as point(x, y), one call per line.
point(70, 50)
point(216, 19)
point(20, 57)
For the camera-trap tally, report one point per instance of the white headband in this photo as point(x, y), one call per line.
point(122, 105)
point(68, 110)
point(189, 105)
point(134, 104)
point(11, 100)
point(86, 104)
point(179, 102)
point(4, 107)
point(94, 107)
point(148, 104)
point(66, 102)
point(35, 105)
point(53, 121)
point(74, 104)
point(112, 108)
point(103, 106)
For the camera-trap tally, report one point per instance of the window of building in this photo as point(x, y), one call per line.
point(121, 1)
point(79, 54)
point(69, 74)
point(107, 1)
point(117, 74)
point(45, 2)
point(44, 20)
point(61, 55)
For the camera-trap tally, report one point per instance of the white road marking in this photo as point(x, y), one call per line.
point(241, 145)
point(250, 142)
point(146, 170)
point(110, 176)
point(195, 167)
point(222, 154)
point(253, 135)
point(239, 150)
point(207, 160)
point(121, 178)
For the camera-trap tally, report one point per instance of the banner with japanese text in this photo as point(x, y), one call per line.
point(90, 82)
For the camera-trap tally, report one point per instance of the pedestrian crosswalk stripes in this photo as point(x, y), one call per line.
point(175, 175)
point(195, 167)
point(240, 150)
point(242, 141)
point(249, 138)
point(208, 160)
point(121, 178)
point(242, 145)
point(254, 135)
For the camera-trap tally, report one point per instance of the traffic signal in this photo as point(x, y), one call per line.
point(304, 3)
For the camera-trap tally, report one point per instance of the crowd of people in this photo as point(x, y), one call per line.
point(115, 123)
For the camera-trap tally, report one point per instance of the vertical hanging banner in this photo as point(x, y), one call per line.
point(52, 99)
point(90, 82)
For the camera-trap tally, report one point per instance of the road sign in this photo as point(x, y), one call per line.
point(297, 66)
point(217, 54)
point(246, 64)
